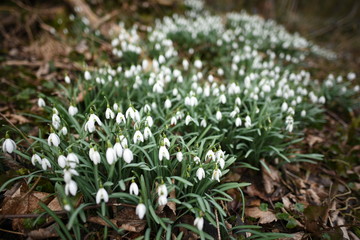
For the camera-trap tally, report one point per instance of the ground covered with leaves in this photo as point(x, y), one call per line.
point(173, 120)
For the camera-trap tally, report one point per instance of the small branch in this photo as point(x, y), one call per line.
point(217, 224)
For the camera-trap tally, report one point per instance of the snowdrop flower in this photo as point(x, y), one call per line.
point(36, 158)
point(68, 173)
point(210, 155)
point(179, 156)
point(62, 161)
point(149, 121)
point(115, 107)
point(219, 154)
point(45, 164)
point(162, 200)
point(71, 188)
point(173, 121)
point(238, 101)
point(289, 123)
point(138, 137)
point(200, 173)
point(163, 153)
point(140, 210)
point(53, 139)
point(110, 154)
point(87, 75)
point(166, 142)
point(128, 155)
point(188, 119)
point(199, 223)
point(72, 159)
point(120, 118)
point(198, 64)
point(102, 195)
point(67, 79)
point(94, 155)
point(56, 121)
point(220, 71)
point(185, 64)
point(134, 189)
point(147, 108)
point(351, 76)
point(64, 130)
point(303, 113)
point(197, 160)
point(238, 122)
point(167, 104)
point(162, 190)
point(222, 99)
point(41, 103)
point(109, 113)
point(147, 133)
point(216, 174)
point(9, 145)
point(221, 163)
point(284, 107)
point(72, 110)
point(218, 115)
point(203, 123)
point(123, 141)
point(247, 122)
point(90, 124)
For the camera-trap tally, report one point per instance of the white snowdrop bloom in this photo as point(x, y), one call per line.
point(322, 100)
point(134, 189)
point(128, 155)
point(138, 137)
point(199, 223)
point(187, 101)
point(163, 153)
point(137, 117)
point(218, 115)
point(291, 111)
point(147, 133)
point(303, 113)
point(210, 155)
point(140, 210)
point(130, 112)
point(35, 159)
point(120, 118)
point(64, 130)
point(220, 154)
point(220, 72)
point(197, 160)
point(216, 174)
point(94, 156)
point(118, 148)
point(221, 162)
point(9, 145)
point(238, 101)
point(149, 121)
point(67, 79)
point(173, 120)
point(109, 114)
point(198, 64)
point(162, 200)
point(247, 122)
point(284, 107)
point(167, 103)
point(68, 173)
point(123, 141)
point(67, 207)
point(111, 155)
point(62, 161)
point(203, 123)
point(175, 92)
point(87, 75)
point(210, 78)
point(41, 103)
point(71, 188)
point(185, 64)
point(200, 173)
point(56, 121)
point(162, 190)
point(147, 108)
point(72, 110)
point(356, 88)
point(222, 99)
point(45, 164)
point(289, 123)
point(188, 119)
point(166, 142)
point(179, 156)
point(72, 159)
point(234, 112)
point(102, 195)
point(53, 139)
point(351, 76)
point(238, 122)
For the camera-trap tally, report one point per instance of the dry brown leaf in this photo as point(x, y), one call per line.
point(100, 221)
point(264, 216)
point(312, 139)
point(270, 179)
point(54, 205)
point(295, 236)
point(43, 233)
